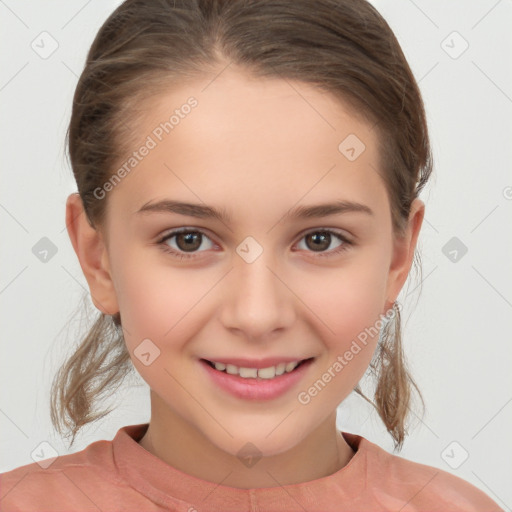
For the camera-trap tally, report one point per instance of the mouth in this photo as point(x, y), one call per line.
point(257, 384)
point(268, 373)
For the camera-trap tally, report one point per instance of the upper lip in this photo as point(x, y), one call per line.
point(255, 363)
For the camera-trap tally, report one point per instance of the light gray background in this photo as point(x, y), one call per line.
point(457, 333)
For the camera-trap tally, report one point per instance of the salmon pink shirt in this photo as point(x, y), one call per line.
point(120, 475)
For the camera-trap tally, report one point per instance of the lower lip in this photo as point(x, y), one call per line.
point(256, 388)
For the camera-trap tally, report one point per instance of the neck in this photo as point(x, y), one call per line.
point(179, 444)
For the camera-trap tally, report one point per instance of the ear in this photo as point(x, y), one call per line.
point(92, 254)
point(403, 252)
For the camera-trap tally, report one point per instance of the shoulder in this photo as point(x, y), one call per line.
point(71, 479)
point(415, 486)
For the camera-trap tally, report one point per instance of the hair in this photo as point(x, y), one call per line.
point(145, 47)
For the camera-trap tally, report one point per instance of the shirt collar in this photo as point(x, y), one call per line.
point(169, 486)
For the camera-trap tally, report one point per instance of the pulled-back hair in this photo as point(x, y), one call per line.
point(147, 47)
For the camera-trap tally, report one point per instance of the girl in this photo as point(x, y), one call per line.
point(247, 213)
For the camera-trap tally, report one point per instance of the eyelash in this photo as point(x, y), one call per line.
point(182, 255)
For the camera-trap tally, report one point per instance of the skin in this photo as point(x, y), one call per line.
point(256, 148)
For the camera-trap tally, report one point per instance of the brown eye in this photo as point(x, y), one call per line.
point(188, 241)
point(318, 241)
point(184, 243)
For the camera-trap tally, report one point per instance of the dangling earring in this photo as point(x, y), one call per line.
point(393, 314)
point(395, 317)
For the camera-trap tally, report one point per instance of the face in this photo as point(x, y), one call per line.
point(262, 281)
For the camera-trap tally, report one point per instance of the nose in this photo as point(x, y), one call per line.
point(256, 301)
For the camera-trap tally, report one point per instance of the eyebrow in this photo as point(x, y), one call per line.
point(300, 212)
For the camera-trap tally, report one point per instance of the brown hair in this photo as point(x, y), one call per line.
point(344, 47)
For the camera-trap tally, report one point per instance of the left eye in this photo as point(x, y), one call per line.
point(189, 240)
point(319, 240)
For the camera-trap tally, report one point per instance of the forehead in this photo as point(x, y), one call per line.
point(252, 141)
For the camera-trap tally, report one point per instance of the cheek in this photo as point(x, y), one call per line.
point(347, 305)
point(159, 301)
point(348, 299)
point(157, 304)
point(351, 312)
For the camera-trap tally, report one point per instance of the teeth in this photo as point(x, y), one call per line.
point(290, 366)
point(266, 373)
point(232, 369)
point(280, 368)
point(248, 373)
point(262, 373)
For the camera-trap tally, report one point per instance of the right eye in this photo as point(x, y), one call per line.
point(187, 241)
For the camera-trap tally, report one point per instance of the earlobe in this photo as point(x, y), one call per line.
point(403, 251)
point(92, 254)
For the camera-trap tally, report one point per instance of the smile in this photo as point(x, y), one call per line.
point(260, 384)
point(253, 373)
